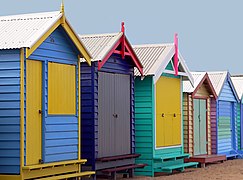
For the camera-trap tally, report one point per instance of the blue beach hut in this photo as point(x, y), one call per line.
point(224, 128)
point(39, 97)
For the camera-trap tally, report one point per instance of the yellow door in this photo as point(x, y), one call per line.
point(168, 112)
point(33, 110)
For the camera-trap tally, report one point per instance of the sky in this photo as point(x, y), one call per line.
point(210, 31)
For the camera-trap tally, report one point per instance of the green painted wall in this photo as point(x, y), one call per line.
point(144, 128)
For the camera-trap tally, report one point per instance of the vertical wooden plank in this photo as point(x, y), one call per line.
point(203, 113)
point(122, 110)
point(34, 117)
point(106, 123)
point(196, 126)
point(209, 126)
point(168, 107)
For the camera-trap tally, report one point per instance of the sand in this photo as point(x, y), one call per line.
point(228, 170)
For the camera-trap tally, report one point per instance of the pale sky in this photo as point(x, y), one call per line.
point(210, 31)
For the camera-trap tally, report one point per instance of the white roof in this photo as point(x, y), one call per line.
point(100, 44)
point(238, 84)
point(25, 30)
point(197, 76)
point(156, 57)
point(217, 79)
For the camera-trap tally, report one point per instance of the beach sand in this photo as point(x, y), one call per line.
point(228, 170)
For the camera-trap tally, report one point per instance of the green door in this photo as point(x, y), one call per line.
point(200, 114)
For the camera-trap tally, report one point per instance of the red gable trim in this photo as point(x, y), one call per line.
point(103, 61)
point(126, 50)
point(205, 79)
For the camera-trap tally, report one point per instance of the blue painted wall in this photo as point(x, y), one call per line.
point(10, 111)
point(226, 120)
point(60, 132)
point(89, 104)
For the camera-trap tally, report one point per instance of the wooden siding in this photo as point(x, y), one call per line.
point(144, 114)
point(188, 123)
point(60, 132)
point(213, 117)
point(202, 91)
point(227, 93)
point(89, 104)
point(226, 119)
point(10, 112)
point(89, 113)
point(188, 119)
point(209, 127)
point(238, 126)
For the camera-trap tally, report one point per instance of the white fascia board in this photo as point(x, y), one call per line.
point(162, 63)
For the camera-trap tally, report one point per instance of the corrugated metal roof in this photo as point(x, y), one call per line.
point(197, 76)
point(152, 56)
point(217, 79)
point(100, 44)
point(24, 30)
point(238, 84)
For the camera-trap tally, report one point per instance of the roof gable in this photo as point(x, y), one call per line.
point(238, 84)
point(102, 46)
point(30, 30)
point(156, 57)
point(200, 78)
point(220, 81)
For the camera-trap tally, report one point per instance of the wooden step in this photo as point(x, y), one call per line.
point(55, 164)
point(122, 168)
point(115, 158)
point(87, 173)
point(180, 167)
point(171, 157)
point(127, 168)
point(205, 159)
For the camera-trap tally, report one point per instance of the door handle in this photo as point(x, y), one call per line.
point(115, 115)
point(40, 111)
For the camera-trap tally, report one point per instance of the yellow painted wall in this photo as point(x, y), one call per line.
point(34, 118)
point(61, 89)
point(168, 104)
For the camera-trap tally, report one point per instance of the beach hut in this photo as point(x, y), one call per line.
point(197, 122)
point(197, 119)
point(223, 115)
point(39, 97)
point(158, 109)
point(238, 84)
point(107, 105)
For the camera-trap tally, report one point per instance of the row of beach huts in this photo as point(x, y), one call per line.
point(93, 105)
